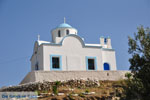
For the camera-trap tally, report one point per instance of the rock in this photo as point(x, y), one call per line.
point(88, 93)
point(61, 94)
point(71, 89)
point(74, 95)
point(116, 98)
point(92, 92)
point(46, 85)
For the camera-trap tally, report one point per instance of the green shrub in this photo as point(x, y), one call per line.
point(55, 90)
point(86, 91)
point(70, 97)
point(81, 95)
point(128, 75)
point(57, 83)
point(55, 87)
point(37, 92)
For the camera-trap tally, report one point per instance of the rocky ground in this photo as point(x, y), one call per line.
point(73, 89)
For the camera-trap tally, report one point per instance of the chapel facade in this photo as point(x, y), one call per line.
point(68, 52)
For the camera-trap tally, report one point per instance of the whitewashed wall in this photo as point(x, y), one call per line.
point(109, 57)
point(40, 76)
point(37, 58)
point(74, 54)
point(63, 33)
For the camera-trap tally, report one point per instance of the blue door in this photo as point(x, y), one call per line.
point(106, 66)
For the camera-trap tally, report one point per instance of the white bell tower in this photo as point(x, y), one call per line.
point(61, 31)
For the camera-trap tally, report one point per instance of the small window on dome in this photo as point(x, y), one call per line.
point(105, 40)
point(67, 32)
point(59, 35)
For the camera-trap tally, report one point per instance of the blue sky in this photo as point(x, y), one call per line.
point(22, 20)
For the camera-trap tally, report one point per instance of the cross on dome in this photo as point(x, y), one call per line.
point(64, 20)
point(38, 37)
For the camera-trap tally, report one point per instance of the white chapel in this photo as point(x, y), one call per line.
point(68, 52)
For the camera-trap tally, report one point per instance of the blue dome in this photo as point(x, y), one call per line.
point(64, 25)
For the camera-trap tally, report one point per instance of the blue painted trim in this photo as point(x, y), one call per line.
point(64, 25)
point(60, 63)
point(95, 62)
point(108, 64)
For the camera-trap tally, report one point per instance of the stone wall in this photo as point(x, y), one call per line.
point(51, 76)
point(46, 86)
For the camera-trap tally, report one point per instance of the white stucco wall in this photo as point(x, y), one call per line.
point(63, 33)
point(74, 55)
point(109, 57)
point(37, 58)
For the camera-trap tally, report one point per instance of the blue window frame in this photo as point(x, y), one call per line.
point(55, 62)
point(91, 63)
point(106, 66)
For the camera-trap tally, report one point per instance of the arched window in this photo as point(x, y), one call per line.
point(67, 32)
point(105, 40)
point(106, 66)
point(36, 66)
point(59, 34)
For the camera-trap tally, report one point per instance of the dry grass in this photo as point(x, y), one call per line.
point(106, 89)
